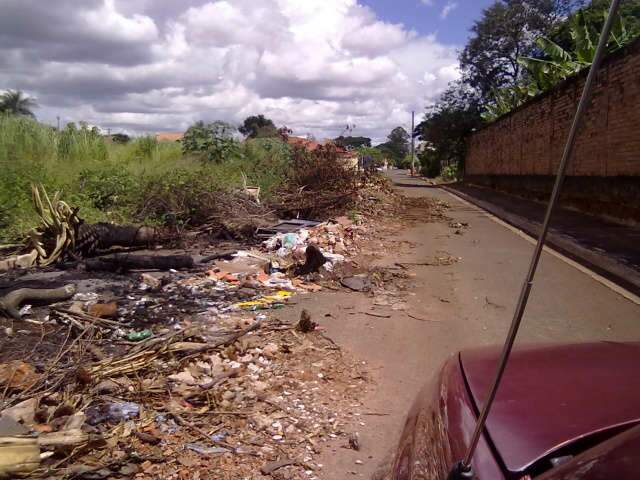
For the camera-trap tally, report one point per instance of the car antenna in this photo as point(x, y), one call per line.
point(463, 470)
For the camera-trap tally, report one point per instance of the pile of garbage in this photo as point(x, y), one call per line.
point(160, 364)
point(158, 373)
point(238, 404)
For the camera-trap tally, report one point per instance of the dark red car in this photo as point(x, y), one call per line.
point(561, 412)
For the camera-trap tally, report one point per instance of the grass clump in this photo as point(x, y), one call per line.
point(137, 181)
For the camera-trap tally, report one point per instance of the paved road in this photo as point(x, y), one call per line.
point(470, 303)
point(611, 249)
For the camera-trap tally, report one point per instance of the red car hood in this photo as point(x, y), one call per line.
point(552, 396)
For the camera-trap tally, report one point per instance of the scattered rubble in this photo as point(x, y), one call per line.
point(189, 373)
point(187, 369)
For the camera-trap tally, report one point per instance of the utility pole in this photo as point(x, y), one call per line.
point(58, 117)
point(413, 167)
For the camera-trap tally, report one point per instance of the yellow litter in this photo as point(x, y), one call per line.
point(268, 301)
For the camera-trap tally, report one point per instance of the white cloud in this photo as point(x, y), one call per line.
point(144, 65)
point(428, 3)
point(447, 9)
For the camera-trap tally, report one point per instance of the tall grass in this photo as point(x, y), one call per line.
point(116, 182)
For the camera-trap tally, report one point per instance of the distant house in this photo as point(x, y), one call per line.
point(309, 145)
point(169, 136)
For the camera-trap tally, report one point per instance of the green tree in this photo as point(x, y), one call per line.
point(15, 102)
point(446, 126)
point(554, 63)
point(258, 126)
point(352, 143)
point(397, 145)
point(629, 12)
point(505, 32)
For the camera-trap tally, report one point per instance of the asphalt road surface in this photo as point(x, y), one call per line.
point(467, 304)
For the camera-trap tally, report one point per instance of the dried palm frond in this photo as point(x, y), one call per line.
point(59, 224)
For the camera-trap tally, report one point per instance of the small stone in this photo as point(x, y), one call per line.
point(270, 350)
point(260, 386)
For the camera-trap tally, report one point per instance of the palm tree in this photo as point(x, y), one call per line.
point(17, 103)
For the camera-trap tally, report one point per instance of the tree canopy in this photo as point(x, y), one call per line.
point(258, 126)
point(15, 102)
point(506, 31)
point(120, 138)
point(350, 142)
point(397, 144)
point(446, 126)
point(553, 63)
point(517, 49)
point(629, 12)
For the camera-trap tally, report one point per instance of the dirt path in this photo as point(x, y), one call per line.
point(465, 304)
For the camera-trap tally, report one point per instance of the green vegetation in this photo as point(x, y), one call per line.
point(396, 147)
point(258, 126)
point(138, 181)
point(212, 140)
point(517, 49)
point(352, 142)
point(15, 102)
point(554, 64)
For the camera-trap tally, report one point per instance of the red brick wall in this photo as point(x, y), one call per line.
point(529, 141)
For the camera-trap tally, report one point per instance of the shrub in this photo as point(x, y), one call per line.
point(317, 184)
point(106, 187)
point(431, 168)
point(451, 172)
point(265, 162)
point(430, 165)
point(145, 146)
point(215, 140)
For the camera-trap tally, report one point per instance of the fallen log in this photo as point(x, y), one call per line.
point(101, 236)
point(124, 262)
point(10, 303)
point(224, 255)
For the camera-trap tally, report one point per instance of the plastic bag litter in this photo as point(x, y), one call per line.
point(114, 412)
point(285, 243)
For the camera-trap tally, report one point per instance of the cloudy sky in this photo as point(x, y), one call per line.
point(159, 65)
